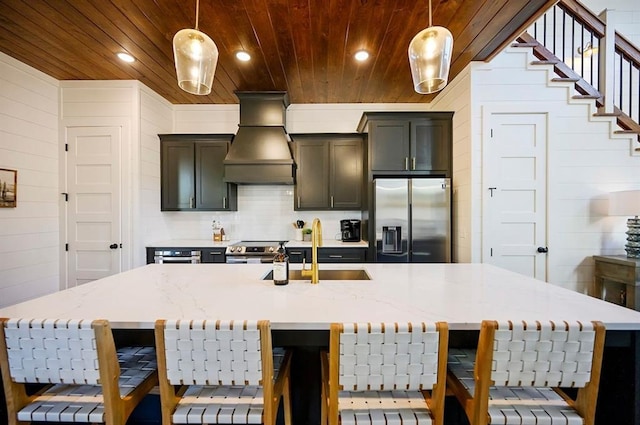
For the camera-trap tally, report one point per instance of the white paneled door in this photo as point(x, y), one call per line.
point(514, 192)
point(94, 203)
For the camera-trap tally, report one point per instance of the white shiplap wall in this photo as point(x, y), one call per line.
point(156, 117)
point(29, 240)
point(466, 236)
point(585, 161)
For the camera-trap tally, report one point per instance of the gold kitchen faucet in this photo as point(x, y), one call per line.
point(316, 241)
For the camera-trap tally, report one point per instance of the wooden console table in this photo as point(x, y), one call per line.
point(617, 279)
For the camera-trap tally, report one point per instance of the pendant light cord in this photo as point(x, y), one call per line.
point(198, 11)
point(430, 21)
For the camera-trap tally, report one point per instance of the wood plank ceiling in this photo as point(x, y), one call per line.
point(304, 47)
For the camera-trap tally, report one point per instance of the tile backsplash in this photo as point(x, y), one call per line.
point(265, 212)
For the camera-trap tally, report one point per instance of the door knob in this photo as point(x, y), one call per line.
point(543, 249)
point(113, 246)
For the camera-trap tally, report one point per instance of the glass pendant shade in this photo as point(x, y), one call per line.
point(196, 57)
point(430, 59)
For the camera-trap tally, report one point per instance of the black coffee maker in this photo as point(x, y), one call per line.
point(350, 230)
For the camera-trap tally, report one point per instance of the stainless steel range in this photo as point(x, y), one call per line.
point(246, 252)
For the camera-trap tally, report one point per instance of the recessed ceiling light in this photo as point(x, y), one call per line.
point(361, 55)
point(243, 56)
point(126, 57)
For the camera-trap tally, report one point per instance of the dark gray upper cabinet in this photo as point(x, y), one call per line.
point(390, 144)
point(409, 142)
point(329, 171)
point(192, 173)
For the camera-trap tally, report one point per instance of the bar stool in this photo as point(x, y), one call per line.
point(226, 372)
point(517, 373)
point(384, 373)
point(87, 379)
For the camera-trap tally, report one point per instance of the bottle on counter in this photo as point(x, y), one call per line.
point(216, 226)
point(281, 266)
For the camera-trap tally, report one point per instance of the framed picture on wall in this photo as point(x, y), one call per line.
point(8, 188)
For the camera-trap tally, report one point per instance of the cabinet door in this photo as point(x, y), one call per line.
point(212, 191)
point(178, 184)
point(389, 145)
point(296, 255)
point(430, 144)
point(214, 255)
point(346, 174)
point(312, 174)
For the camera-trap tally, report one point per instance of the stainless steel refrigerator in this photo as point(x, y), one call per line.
point(412, 220)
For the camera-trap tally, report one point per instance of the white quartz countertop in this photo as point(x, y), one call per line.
point(191, 243)
point(461, 294)
point(328, 243)
point(206, 243)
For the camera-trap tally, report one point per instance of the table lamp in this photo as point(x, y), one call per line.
point(627, 203)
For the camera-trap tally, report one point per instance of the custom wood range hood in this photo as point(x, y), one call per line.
point(260, 152)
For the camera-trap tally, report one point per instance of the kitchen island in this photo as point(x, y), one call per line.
point(460, 294)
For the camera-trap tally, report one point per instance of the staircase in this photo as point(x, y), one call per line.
point(578, 44)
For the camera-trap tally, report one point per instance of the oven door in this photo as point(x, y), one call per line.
point(177, 257)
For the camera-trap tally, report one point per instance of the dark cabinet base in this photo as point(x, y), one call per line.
point(207, 255)
point(329, 255)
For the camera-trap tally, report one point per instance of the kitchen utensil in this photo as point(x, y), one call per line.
point(300, 224)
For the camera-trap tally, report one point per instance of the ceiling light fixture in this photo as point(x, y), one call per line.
point(430, 58)
point(125, 57)
point(361, 55)
point(243, 56)
point(196, 57)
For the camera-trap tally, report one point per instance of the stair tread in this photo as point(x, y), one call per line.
point(585, 96)
point(566, 79)
point(524, 45)
point(549, 62)
point(627, 132)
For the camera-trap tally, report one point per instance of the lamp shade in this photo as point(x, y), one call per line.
point(625, 203)
point(196, 57)
point(430, 59)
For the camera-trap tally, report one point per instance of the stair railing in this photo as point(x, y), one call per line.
point(627, 91)
point(574, 36)
point(582, 41)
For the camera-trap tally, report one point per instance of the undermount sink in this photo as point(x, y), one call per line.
point(324, 274)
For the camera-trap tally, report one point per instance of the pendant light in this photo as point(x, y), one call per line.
point(430, 58)
point(196, 57)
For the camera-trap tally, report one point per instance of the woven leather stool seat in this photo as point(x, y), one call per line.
point(516, 374)
point(227, 371)
point(383, 407)
point(384, 373)
point(90, 380)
